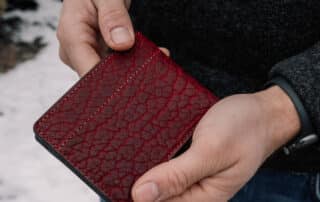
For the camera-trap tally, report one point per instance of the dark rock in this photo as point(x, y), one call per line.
point(21, 5)
point(8, 56)
point(13, 53)
point(1, 114)
point(12, 50)
point(3, 5)
point(27, 51)
point(8, 27)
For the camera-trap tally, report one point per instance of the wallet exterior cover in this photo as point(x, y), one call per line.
point(134, 110)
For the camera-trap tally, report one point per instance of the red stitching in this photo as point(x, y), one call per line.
point(116, 92)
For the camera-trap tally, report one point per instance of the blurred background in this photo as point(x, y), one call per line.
point(32, 78)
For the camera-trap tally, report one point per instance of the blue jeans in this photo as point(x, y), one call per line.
point(278, 186)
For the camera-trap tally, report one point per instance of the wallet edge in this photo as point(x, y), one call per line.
point(75, 171)
point(177, 148)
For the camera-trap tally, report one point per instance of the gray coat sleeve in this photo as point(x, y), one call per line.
point(303, 73)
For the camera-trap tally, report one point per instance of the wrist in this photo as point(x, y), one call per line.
point(281, 117)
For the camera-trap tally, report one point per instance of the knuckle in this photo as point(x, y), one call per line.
point(82, 34)
point(86, 36)
point(62, 28)
point(64, 32)
point(113, 15)
point(177, 180)
point(61, 32)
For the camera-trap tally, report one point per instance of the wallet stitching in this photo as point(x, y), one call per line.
point(72, 91)
point(172, 150)
point(99, 110)
point(65, 98)
point(77, 86)
point(116, 92)
point(155, 116)
point(174, 147)
point(145, 142)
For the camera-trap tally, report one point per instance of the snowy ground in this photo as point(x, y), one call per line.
point(28, 173)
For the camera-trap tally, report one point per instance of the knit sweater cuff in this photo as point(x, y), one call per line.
point(303, 73)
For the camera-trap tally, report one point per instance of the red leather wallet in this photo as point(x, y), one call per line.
point(131, 112)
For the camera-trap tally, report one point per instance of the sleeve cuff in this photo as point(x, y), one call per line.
point(302, 72)
point(307, 134)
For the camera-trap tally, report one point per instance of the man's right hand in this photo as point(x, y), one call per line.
point(86, 27)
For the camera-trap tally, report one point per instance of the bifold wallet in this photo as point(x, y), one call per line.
point(134, 110)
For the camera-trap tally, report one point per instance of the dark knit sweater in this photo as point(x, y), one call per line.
point(235, 46)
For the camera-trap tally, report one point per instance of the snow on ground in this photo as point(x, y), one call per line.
point(28, 173)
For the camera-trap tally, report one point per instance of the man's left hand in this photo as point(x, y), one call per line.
point(230, 143)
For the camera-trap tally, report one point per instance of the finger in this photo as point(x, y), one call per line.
point(80, 53)
point(170, 178)
point(83, 58)
point(79, 45)
point(207, 190)
point(77, 35)
point(64, 57)
point(115, 24)
point(79, 49)
point(221, 186)
point(165, 51)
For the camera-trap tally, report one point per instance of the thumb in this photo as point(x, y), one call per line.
point(115, 24)
point(170, 178)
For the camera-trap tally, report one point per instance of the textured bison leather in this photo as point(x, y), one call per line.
point(133, 111)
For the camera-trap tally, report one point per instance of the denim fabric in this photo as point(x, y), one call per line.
point(280, 186)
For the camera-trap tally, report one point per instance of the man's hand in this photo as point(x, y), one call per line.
point(229, 144)
point(87, 26)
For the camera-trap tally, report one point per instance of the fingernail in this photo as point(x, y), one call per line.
point(120, 35)
point(147, 192)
